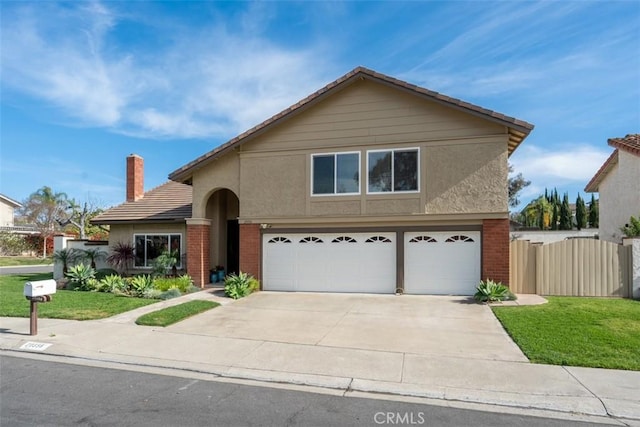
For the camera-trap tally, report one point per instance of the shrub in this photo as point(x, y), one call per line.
point(92, 255)
point(171, 293)
point(104, 272)
point(12, 244)
point(192, 288)
point(181, 283)
point(122, 257)
point(241, 285)
point(82, 278)
point(138, 285)
point(153, 294)
point(165, 262)
point(490, 291)
point(632, 229)
point(112, 283)
point(65, 257)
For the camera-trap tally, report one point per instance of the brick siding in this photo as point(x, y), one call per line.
point(250, 249)
point(135, 178)
point(198, 253)
point(495, 250)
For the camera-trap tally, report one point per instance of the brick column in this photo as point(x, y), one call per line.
point(250, 249)
point(495, 250)
point(198, 250)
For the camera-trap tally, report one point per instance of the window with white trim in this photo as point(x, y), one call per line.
point(393, 171)
point(335, 173)
point(148, 247)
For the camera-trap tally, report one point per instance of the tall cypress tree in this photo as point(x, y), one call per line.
point(554, 217)
point(541, 218)
point(581, 213)
point(565, 214)
point(594, 214)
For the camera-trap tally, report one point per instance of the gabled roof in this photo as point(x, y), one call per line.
point(592, 186)
point(169, 202)
point(10, 201)
point(518, 129)
point(630, 144)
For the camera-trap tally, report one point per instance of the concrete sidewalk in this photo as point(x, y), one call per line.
point(507, 383)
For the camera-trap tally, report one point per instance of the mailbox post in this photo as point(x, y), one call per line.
point(38, 291)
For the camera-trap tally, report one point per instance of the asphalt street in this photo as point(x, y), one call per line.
point(26, 269)
point(36, 392)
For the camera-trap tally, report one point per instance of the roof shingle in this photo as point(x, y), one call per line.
point(168, 202)
point(629, 143)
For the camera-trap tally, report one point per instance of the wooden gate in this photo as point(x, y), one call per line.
point(576, 267)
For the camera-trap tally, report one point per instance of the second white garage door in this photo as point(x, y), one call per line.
point(330, 262)
point(446, 263)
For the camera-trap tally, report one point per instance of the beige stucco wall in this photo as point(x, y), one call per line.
point(463, 161)
point(223, 172)
point(6, 214)
point(619, 196)
point(475, 179)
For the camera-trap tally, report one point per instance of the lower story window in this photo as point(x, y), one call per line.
point(151, 246)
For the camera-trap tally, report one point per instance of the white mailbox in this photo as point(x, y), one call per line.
point(40, 288)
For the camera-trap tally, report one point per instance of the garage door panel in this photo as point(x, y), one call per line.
point(278, 253)
point(442, 262)
point(332, 262)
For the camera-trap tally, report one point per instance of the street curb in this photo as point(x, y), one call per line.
point(578, 405)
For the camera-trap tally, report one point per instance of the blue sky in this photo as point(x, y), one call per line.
point(84, 84)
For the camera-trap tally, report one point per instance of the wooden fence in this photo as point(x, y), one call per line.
point(577, 267)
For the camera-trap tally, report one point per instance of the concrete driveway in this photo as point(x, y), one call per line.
point(442, 326)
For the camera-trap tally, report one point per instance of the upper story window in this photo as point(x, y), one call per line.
point(148, 247)
point(391, 171)
point(337, 173)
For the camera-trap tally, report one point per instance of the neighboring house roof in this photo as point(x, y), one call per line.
point(630, 144)
point(518, 129)
point(169, 202)
point(10, 201)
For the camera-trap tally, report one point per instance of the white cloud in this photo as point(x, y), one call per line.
point(572, 163)
point(63, 67)
point(197, 83)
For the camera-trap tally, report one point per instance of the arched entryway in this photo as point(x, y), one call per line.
point(223, 209)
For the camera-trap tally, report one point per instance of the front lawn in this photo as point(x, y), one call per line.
point(9, 261)
point(170, 315)
point(73, 305)
point(577, 331)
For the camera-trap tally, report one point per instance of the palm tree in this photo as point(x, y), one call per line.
point(42, 209)
point(538, 212)
point(93, 255)
point(66, 257)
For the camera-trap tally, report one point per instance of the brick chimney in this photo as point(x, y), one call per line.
point(135, 178)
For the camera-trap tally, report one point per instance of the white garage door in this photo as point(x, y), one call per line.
point(446, 263)
point(330, 262)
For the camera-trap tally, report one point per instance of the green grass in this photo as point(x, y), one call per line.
point(170, 315)
point(73, 305)
point(8, 261)
point(576, 331)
